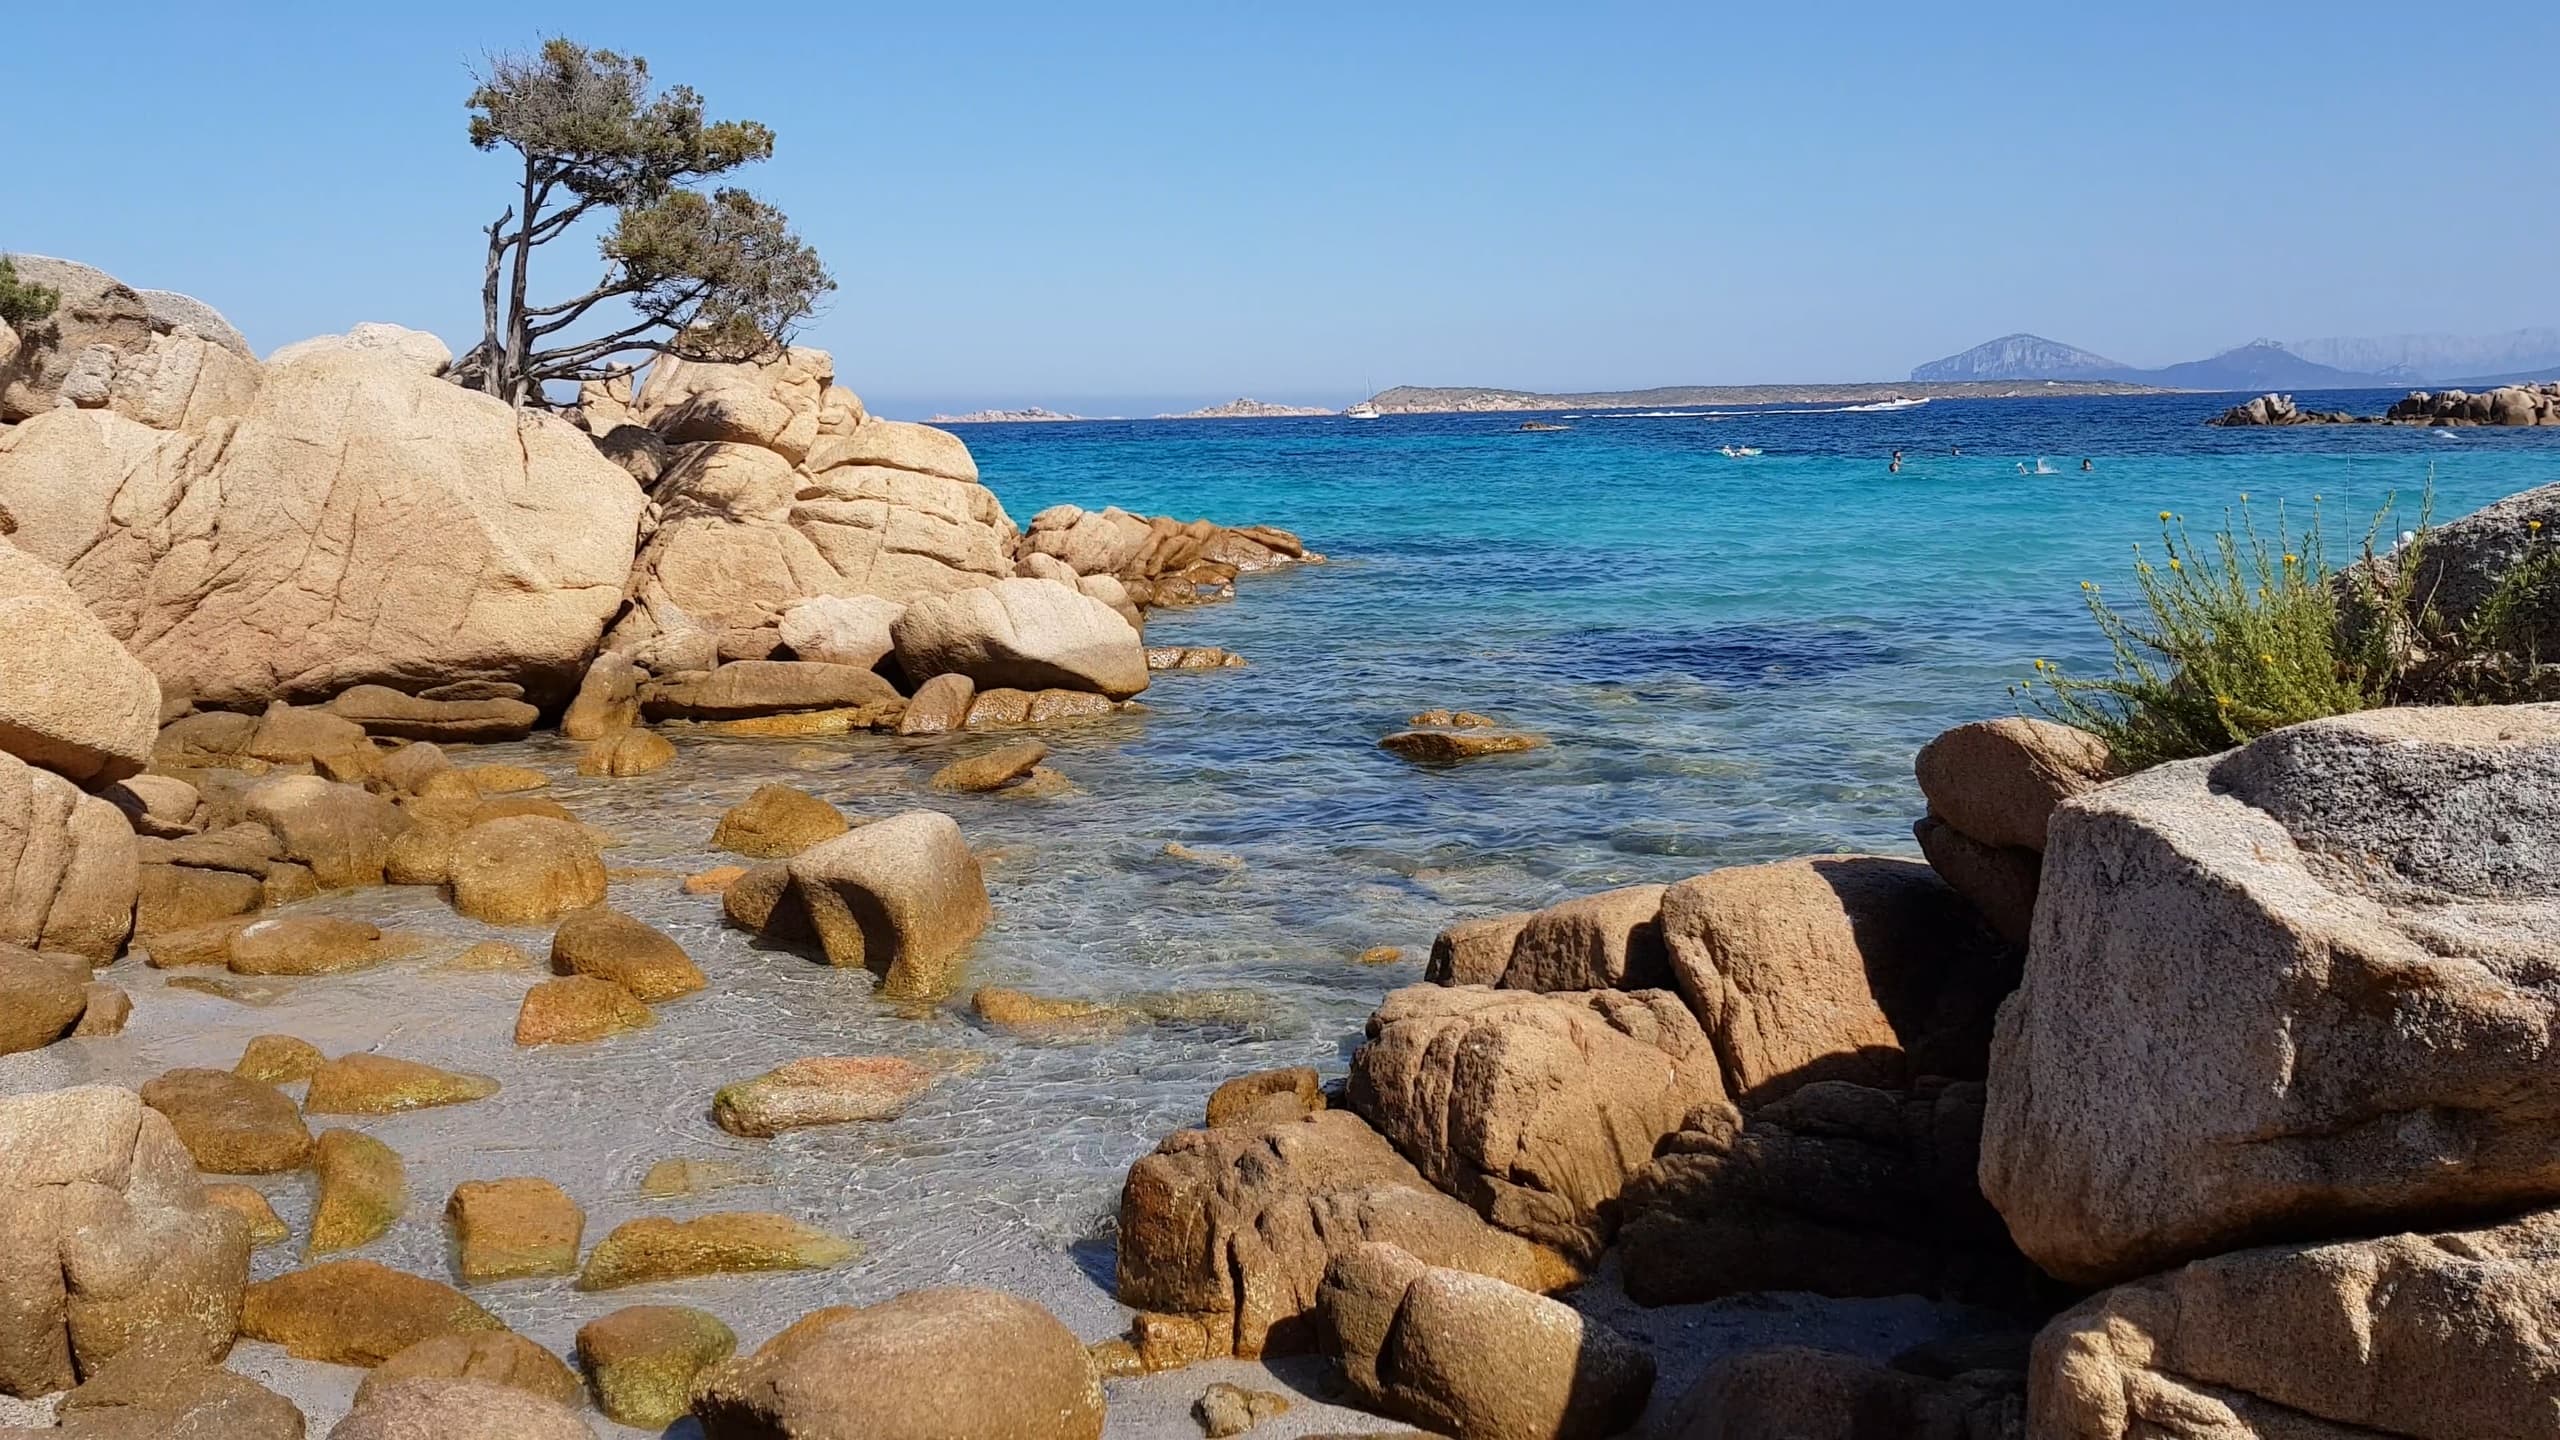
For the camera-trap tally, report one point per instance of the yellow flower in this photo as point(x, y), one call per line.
point(2244, 497)
point(2044, 664)
point(2269, 659)
point(2174, 565)
point(2085, 585)
point(2293, 559)
point(2164, 514)
point(2534, 525)
point(2222, 700)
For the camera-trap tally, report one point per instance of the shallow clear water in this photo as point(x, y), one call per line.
point(1734, 658)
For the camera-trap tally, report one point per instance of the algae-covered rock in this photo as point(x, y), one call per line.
point(819, 1090)
point(520, 869)
point(574, 1009)
point(279, 1059)
point(603, 942)
point(656, 1248)
point(777, 821)
point(643, 1360)
point(363, 1188)
point(508, 1229)
point(367, 1084)
point(627, 752)
point(265, 1226)
point(230, 1125)
point(355, 1312)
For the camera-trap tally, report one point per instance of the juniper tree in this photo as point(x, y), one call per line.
point(714, 275)
point(23, 304)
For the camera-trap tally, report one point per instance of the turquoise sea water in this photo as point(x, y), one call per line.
point(1735, 660)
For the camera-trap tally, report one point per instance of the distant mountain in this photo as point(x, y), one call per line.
point(2259, 365)
point(1036, 414)
point(2020, 357)
point(2440, 359)
point(2263, 365)
point(2536, 376)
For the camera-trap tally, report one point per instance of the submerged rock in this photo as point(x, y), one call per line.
point(643, 1360)
point(2295, 990)
point(312, 945)
point(521, 869)
point(362, 1189)
point(1049, 1016)
point(992, 769)
point(492, 1357)
point(926, 1364)
point(627, 752)
point(230, 1125)
point(355, 1312)
point(819, 1090)
point(427, 1408)
point(1448, 747)
point(609, 945)
point(513, 1228)
point(1471, 1355)
point(367, 1084)
point(730, 1242)
point(574, 1009)
point(1266, 1096)
point(777, 821)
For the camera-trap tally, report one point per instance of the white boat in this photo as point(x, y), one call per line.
point(1737, 452)
point(1362, 411)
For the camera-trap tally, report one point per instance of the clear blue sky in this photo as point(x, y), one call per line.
point(1119, 206)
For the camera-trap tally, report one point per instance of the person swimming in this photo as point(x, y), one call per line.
point(1894, 467)
point(2087, 464)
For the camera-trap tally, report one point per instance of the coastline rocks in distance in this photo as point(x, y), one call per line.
point(921, 1366)
point(2509, 405)
point(71, 699)
point(2280, 410)
point(1470, 1355)
point(2432, 1336)
point(1533, 1108)
point(111, 1242)
point(1022, 634)
point(492, 545)
point(901, 897)
point(2286, 992)
point(1158, 557)
point(1233, 1228)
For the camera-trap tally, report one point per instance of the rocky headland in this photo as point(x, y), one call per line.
point(2504, 405)
point(1034, 415)
point(2210, 1097)
point(1249, 409)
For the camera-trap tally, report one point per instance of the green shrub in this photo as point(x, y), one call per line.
point(2236, 637)
point(22, 304)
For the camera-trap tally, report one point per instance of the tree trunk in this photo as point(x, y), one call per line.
point(489, 377)
point(518, 342)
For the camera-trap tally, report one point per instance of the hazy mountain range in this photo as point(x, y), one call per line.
point(2337, 363)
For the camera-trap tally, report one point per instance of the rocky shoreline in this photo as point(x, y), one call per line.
point(2509, 405)
point(2205, 1101)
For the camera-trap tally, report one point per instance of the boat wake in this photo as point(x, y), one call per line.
point(1871, 408)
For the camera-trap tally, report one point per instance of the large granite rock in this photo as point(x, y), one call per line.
point(1793, 1392)
point(69, 869)
point(1025, 635)
point(2462, 563)
point(42, 996)
point(71, 698)
point(2431, 1337)
point(784, 490)
point(1850, 967)
point(1237, 1224)
point(922, 1366)
point(1533, 1108)
point(902, 897)
point(1991, 786)
point(2297, 989)
point(1145, 551)
point(107, 1241)
point(453, 1408)
point(1471, 1355)
point(360, 521)
point(1835, 1188)
point(141, 1395)
point(158, 358)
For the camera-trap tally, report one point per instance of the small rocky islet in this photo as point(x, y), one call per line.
point(2204, 1093)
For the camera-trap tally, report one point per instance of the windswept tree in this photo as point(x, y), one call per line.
point(23, 304)
point(714, 275)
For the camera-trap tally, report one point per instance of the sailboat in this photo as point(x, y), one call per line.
point(1362, 411)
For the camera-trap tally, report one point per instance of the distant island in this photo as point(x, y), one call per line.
point(2331, 364)
point(1248, 409)
point(1460, 400)
point(1002, 417)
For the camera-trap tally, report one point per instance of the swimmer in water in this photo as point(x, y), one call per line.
point(2088, 464)
point(1895, 468)
point(1955, 450)
point(2022, 467)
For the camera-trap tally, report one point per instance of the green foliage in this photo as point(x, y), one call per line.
point(22, 305)
point(717, 275)
point(2236, 637)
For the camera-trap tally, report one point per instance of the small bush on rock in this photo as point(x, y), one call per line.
point(23, 304)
